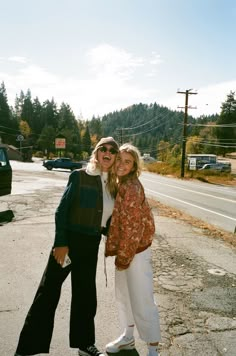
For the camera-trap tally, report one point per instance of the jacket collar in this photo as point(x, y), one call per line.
point(92, 170)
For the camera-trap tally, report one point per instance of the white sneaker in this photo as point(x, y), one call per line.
point(122, 343)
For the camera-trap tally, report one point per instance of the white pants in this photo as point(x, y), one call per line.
point(134, 294)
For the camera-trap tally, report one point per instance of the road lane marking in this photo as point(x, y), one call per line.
point(191, 191)
point(193, 205)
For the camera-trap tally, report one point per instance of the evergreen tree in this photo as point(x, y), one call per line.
point(19, 104)
point(27, 109)
point(37, 120)
point(46, 141)
point(76, 147)
point(86, 141)
point(95, 127)
point(68, 126)
point(49, 114)
point(227, 133)
point(5, 123)
point(66, 118)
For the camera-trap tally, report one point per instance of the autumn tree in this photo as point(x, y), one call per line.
point(163, 151)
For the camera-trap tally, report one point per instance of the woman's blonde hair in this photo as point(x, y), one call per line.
point(136, 171)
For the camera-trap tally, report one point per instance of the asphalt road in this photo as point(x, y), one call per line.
point(215, 204)
point(194, 277)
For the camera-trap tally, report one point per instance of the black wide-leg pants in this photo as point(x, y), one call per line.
point(36, 334)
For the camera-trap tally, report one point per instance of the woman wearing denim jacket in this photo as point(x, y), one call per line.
point(129, 240)
point(80, 219)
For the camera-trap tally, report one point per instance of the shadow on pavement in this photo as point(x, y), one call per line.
point(6, 216)
point(133, 352)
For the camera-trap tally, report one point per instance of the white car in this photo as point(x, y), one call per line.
point(219, 166)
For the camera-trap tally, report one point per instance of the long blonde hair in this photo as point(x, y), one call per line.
point(136, 171)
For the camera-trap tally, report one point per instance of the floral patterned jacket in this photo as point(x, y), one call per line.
point(132, 224)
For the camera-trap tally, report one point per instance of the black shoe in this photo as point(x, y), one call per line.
point(90, 351)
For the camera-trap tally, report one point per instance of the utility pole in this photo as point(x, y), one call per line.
point(187, 93)
point(120, 136)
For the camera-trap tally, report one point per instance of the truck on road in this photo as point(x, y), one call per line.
point(63, 163)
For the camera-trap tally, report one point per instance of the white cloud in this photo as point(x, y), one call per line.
point(18, 59)
point(115, 81)
point(109, 87)
point(37, 76)
point(156, 59)
point(207, 101)
point(106, 60)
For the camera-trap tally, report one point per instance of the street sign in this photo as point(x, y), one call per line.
point(60, 143)
point(20, 138)
point(192, 164)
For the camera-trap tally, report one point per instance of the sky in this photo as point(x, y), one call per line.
point(100, 56)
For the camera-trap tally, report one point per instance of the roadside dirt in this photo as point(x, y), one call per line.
point(208, 229)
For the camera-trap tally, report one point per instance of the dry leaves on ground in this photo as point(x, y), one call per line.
point(208, 229)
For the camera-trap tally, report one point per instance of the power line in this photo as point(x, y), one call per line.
point(215, 145)
point(213, 125)
point(135, 127)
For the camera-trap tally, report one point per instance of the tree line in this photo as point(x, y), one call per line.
point(153, 128)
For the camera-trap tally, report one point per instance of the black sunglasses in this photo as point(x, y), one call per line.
point(105, 149)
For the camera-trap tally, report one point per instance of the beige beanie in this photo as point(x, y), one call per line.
point(108, 141)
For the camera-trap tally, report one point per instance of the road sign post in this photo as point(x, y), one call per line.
point(20, 138)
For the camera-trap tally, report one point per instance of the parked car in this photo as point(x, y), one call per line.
point(5, 173)
point(64, 163)
point(218, 166)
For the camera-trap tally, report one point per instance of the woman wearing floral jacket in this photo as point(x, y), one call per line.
point(130, 237)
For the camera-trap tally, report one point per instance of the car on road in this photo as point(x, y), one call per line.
point(63, 163)
point(5, 173)
point(218, 166)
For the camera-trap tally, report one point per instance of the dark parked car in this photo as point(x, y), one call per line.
point(63, 163)
point(5, 173)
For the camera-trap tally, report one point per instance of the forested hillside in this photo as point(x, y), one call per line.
point(154, 129)
point(147, 125)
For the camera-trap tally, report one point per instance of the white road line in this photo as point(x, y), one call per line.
point(191, 191)
point(193, 205)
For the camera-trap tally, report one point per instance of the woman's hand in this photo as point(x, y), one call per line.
point(59, 254)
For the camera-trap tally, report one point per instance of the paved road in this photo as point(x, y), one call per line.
point(214, 204)
point(194, 279)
